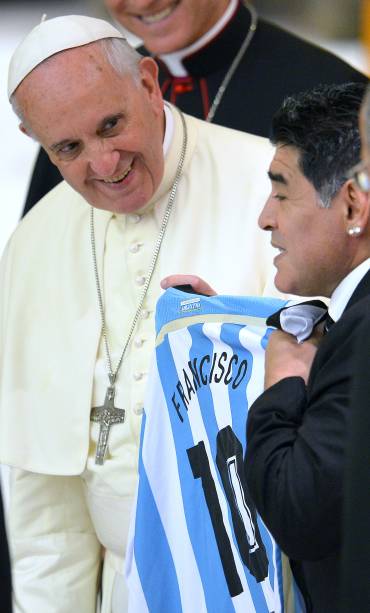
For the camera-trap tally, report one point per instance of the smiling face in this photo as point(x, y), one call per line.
point(167, 25)
point(315, 251)
point(103, 131)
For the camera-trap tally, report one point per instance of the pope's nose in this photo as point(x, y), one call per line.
point(105, 164)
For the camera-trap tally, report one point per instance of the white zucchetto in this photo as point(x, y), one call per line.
point(52, 36)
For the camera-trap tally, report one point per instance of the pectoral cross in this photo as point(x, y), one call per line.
point(106, 415)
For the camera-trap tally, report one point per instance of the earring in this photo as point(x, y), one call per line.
point(354, 231)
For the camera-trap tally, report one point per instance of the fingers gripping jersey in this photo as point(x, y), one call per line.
point(197, 543)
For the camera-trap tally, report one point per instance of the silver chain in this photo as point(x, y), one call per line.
point(113, 373)
point(235, 63)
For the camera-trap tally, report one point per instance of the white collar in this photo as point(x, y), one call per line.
point(345, 289)
point(173, 60)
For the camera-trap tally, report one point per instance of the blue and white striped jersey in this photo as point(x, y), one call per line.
point(197, 543)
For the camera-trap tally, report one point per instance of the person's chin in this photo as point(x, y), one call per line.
point(126, 196)
point(284, 284)
point(169, 43)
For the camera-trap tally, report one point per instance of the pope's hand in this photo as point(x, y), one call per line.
point(285, 357)
point(199, 286)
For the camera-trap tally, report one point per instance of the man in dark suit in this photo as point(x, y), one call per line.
point(5, 583)
point(356, 516)
point(197, 44)
point(297, 429)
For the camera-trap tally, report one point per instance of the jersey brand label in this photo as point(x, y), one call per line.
point(193, 304)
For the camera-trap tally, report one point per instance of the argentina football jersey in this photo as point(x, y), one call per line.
point(197, 542)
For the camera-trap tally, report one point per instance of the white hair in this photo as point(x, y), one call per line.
point(123, 58)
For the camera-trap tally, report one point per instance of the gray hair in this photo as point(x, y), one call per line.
point(123, 58)
point(322, 125)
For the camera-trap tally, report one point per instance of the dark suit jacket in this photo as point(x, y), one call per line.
point(356, 517)
point(5, 585)
point(275, 65)
point(297, 437)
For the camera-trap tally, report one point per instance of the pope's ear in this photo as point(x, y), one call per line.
point(149, 80)
point(148, 67)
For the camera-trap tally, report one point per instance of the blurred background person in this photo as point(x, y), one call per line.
point(356, 524)
point(218, 61)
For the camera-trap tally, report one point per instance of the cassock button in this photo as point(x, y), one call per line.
point(138, 409)
point(183, 85)
point(134, 248)
point(140, 280)
point(145, 314)
point(137, 375)
point(135, 217)
point(138, 342)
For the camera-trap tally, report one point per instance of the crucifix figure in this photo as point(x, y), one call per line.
point(106, 415)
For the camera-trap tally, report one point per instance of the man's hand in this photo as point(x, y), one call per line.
point(199, 286)
point(287, 358)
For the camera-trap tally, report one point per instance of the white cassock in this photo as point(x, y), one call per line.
point(64, 509)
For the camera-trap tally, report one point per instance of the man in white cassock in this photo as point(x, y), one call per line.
point(147, 192)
